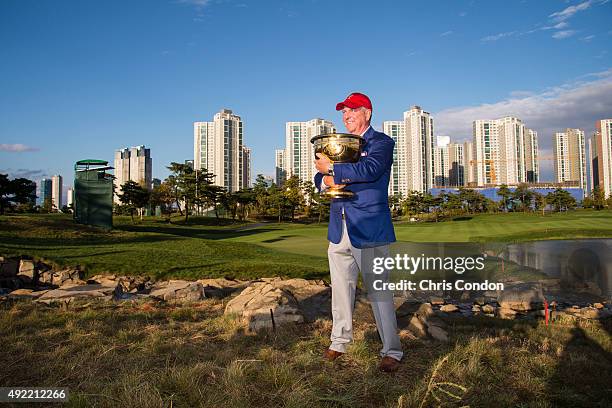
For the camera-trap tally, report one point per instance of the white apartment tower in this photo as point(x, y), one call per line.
point(500, 152)
point(413, 157)
point(134, 164)
point(398, 182)
point(280, 167)
point(570, 157)
point(56, 192)
point(218, 148)
point(441, 162)
point(299, 152)
point(602, 160)
point(419, 149)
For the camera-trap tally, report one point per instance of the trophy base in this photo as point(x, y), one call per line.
point(338, 193)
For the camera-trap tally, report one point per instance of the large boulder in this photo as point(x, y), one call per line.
point(265, 304)
point(68, 276)
point(67, 292)
point(28, 272)
point(521, 300)
point(178, 291)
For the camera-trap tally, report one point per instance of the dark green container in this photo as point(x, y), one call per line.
point(93, 193)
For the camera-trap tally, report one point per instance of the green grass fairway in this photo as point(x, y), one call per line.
point(203, 249)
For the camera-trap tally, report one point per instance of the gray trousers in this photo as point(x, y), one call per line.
point(344, 266)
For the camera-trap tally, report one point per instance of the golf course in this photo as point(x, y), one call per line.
point(207, 247)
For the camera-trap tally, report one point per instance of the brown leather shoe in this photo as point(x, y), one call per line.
point(331, 355)
point(389, 365)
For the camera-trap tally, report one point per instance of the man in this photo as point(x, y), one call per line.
point(357, 225)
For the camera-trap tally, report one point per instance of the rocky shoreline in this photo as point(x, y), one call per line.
point(268, 302)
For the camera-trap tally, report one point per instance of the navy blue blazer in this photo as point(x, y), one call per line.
point(367, 215)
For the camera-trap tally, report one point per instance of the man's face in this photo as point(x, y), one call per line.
point(356, 120)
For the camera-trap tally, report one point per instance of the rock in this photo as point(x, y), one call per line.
point(488, 309)
point(256, 304)
point(450, 308)
point(436, 300)
point(104, 280)
point(406, 335)
point(598, 306)
point(521, 300)
point(76, 291)
point(27, 271)
point(417, 327)
point(438, 333)
point(480, 300)
point(589, 313)
point(26, 294)
point(68, 276)
point(465, 295)
point(424, 311)
point(476, 309)
point(178, 291)
point(505, 313)
point(222, 287)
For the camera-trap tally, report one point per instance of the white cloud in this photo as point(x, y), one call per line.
point(496, 37)
point(559, 35)
point(576, 105)
point(444, 34)
point(197, 3)
point(25, 173)
point(463, 14)
point(570, 11)
point(17, 148)
point(588, 38)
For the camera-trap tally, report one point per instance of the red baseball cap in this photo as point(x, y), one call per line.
point(355, 100)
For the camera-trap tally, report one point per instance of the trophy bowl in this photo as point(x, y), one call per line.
point(338, 148)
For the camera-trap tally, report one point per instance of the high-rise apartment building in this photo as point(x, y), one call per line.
point(441, 162)
point(456, 165)
point(419, 148)
point(133, 164)
point(570, 157)
point(299, 152)
point(69, 197)
point(279, 167)
point(413, 156)
point(500, 152)
point(531, 156)
point(45, 190)
point(246, 167)
point(56, 192)
point(602, 160)
point(218, 148)
point(469, 164)
point(396, 130)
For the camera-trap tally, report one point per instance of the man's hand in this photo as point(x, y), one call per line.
point(322, 164)
point(329, 181)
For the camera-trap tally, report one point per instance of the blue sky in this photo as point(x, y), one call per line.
point(80, 79)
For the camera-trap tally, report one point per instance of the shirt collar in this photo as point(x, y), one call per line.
point(366, 132)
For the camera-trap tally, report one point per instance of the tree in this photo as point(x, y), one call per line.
point(162, 196)
point(189, 186)
point(16, 191)
point(294, 198)
point(414, 203)
point(523, 195)
point(539, 202)
point(504, 192)
point(561, 200)
point(395, 204)
point(134, 196)
point(260, 189)
point(599, 199)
